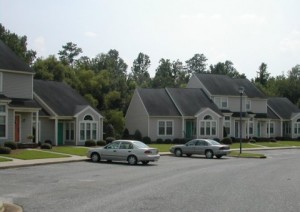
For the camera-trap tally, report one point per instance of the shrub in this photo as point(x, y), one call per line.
point(126, 134)
point(252, 140)
point(10, 144)
point(137, 135)
point(159, 141)
point(109, 139)
point(227, 141)
point(273, 140)
point(217, 140)
point(90, 143)
point(5, 150)
point(101, 143)
point(46, 146)
point(48, 142)
point(147, 140)
point(168, 141)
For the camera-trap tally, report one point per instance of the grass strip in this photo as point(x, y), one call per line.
point(80, 151)
point(4, 159)
point(25, 154)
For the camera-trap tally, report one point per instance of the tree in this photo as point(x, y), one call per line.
point(263, 75)
point(163, 76)
point(139, 70)
point(226, 69)
point(49, 69)
point(69, 52)
point(197, 64)
point(18, 44)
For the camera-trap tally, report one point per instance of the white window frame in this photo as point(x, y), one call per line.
point(165, 127)
point(85, 124)
point(1, 82)
point(219, 101)
point(248, 105)
point(208, 125)
point(5, 115)
point(297, 127)
point(270, 128)
point(227, 122)
point(69, 125)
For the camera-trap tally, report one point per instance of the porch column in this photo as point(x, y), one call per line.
point(281, 128)
point(55, 131)
point(183, 135)
point(37, 127)
point(248, 127)
point(269, 129)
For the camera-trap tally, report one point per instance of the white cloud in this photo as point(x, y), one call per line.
point(90, 34)
point(291, 42)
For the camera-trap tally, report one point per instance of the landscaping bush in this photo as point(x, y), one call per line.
point(5, 150)
point(159, 141)
point(137, 135)
point(168, 141)
point(46, 146)
point(179, 141)
point(109, 139)
point(217, 139)
point(126, 134)
point(89, 143)
point(273, 140)
point(10, 144)
point(101, 143)
point(48, 142)
point(147, 140)
point(227, 141)
point(252, 140)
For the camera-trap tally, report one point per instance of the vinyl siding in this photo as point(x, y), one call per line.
point(26, 126)
point(47, 129)
point(137, 116)
point(16, 85)
point(177, 128)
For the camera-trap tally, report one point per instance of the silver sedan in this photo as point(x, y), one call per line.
point(207, 147)
point(124, 150)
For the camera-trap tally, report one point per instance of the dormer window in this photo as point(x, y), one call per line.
point(248, 105)
point(221, 102)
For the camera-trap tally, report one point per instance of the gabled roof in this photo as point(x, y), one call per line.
point(60, 97)
point(158, 102)
point(225, 86)
point(23, 103)
point(190, 100)
point(10, 61)
point(283, 107)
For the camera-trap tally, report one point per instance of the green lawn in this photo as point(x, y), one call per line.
point(81, 151)
point(244, 145)
point(25, 154)
point(161, 147)
point(280, 143)
point(4, 160)
point(246, 155)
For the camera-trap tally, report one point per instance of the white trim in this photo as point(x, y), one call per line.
point(85, 109)
point(5, 114)
point(20, 129)
point(1, 82)
point(44, 104)
point(204, 110)
point(17, 72)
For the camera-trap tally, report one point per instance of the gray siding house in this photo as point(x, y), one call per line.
point(210, 108)
point(44, 109)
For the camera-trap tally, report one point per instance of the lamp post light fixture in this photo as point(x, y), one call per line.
point(241, 91)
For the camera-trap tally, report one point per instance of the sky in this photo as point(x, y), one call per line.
point(244, 32)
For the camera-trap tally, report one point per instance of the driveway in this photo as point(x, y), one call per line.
point(172, 184)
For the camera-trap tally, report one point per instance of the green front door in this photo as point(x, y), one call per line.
point(60, 134)
point(189, 128)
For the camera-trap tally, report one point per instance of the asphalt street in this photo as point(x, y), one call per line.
point(171, 184)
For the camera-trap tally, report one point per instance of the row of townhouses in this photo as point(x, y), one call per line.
point(212, 106)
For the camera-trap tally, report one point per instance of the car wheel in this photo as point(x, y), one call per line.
point(218, 156)
point(189, 155)
point(132, 160)
point(95, 157)
point(178, 152)
point(145, 162)
point(209, 154)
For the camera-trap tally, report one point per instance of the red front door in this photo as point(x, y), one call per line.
point(17, 128)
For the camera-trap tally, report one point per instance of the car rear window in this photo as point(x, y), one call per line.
point(140, 144)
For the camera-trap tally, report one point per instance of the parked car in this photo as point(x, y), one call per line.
point(207, 147)
point(124, 150)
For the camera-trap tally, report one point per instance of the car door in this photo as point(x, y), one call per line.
point(189, 147)
point(125, 149)
point(110, 151)
point(200, 147)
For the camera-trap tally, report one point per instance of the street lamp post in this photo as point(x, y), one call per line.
point(241, 91)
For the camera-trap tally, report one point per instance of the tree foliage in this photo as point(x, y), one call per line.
point(18, 44)
point(197, 64)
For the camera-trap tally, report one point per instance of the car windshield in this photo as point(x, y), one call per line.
point(139, 144)
point(213, 142)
